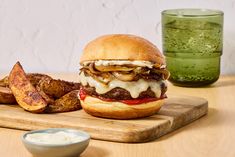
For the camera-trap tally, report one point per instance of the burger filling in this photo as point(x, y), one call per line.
point(118, 82)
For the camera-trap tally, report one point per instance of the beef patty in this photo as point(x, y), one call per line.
point(122, 94)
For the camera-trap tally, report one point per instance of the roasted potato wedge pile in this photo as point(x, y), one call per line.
point(38, 93)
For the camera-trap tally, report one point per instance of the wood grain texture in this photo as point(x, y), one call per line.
point(212, 135)
point(177, 112)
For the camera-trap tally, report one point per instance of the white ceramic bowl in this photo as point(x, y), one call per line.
point(57, 150)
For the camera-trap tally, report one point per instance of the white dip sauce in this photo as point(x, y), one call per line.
point(60, 137)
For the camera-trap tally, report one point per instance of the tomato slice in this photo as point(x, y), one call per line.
point(138, 101)
point(82, 95)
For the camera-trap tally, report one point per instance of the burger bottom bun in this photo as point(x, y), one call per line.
point(118, 110)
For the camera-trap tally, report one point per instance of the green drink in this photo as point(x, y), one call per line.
point(192, 45)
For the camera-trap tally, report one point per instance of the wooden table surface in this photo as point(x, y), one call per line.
point(210, 136)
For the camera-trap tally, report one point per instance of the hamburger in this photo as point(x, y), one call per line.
point(122, 77)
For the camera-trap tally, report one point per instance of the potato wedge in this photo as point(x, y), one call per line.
point(6, 96)
point(57, 88)
point(68, 102)
point(25, 93)
point(34, 78)
point(4, 82)
point(47, 98)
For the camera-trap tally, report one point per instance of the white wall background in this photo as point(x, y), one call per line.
point(48, 35)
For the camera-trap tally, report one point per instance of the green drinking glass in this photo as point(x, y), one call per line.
point(192, 44)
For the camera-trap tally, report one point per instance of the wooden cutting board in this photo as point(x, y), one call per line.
point(177, 112)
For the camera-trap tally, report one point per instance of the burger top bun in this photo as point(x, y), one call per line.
point(122, 47)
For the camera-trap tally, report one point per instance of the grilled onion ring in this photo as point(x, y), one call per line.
point(124, 77)
point(113, 68)
point(91, 67)
point(165, 73)
point(104, 78)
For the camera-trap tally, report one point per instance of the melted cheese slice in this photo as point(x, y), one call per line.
point(134, 87)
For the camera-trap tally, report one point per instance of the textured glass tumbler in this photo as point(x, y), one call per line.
point(192, 45)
